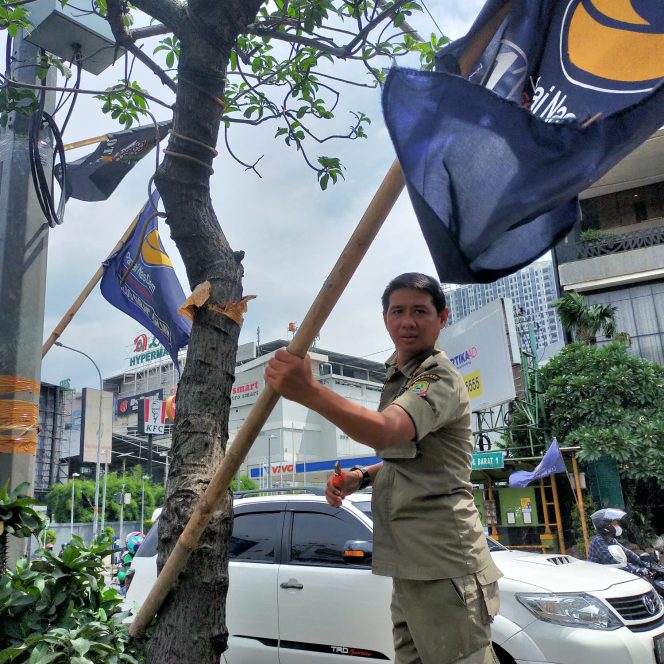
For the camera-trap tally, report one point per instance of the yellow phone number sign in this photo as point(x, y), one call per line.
point(474, 384)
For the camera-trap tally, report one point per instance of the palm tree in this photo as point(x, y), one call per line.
point(585, 321)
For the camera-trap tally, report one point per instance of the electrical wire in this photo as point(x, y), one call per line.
point(54, 216)
point(75, 90)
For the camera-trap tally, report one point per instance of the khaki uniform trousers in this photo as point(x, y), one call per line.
point(443, 621)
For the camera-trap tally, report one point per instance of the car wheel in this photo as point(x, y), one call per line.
point(503, 656)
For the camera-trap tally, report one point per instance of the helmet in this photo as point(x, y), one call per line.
point(133, 533)
point(134, 542)
point(602, 520)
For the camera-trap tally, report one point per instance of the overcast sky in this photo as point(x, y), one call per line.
point(291, 231)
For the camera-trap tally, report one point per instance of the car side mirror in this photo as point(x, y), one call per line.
point(358, 552)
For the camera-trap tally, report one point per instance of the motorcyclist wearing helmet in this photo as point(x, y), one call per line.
point(605, 548)
point(133, 541)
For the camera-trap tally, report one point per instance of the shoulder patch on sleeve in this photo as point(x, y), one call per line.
point(419, 387)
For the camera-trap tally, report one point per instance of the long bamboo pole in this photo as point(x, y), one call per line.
point(78, 302)
point(85, 141)
point(581, 506)
point(325, 301)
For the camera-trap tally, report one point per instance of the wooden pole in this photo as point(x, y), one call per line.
point(78, 303)
point(556, 507)
point(331, 291)
point(334, 285)
point(582, 509)
point(85, 141)
point(545, 509)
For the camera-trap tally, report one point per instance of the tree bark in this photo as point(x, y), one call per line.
point(191, 624)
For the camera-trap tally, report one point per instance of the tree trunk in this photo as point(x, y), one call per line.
point(191, 624)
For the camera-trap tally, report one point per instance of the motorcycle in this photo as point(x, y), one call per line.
point(655, 571)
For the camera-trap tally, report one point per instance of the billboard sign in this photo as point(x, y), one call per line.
point(90, 425)
point(152, 416)
point(245, 393)
point(480, 349)
point(129, 405)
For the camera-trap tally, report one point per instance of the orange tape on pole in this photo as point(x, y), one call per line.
point(19, 418)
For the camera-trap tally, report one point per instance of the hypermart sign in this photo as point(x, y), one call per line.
point(146, 349)
point(488, 460)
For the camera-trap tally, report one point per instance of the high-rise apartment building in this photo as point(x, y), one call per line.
point(532, 290)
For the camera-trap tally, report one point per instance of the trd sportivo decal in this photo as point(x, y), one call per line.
point(347, 651)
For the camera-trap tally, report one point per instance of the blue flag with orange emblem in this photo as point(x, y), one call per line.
point(494, 162)
point(552, 462)
point(139, 279)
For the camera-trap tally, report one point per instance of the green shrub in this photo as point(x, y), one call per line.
point(57, 609)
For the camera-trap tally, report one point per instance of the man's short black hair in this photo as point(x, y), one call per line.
point(416, 281)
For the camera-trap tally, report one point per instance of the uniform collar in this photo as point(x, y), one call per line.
point(413, 365)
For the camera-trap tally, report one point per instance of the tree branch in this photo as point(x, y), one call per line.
point(337, 51)
point(172, 13)
point(148, 31)
point(123, 38)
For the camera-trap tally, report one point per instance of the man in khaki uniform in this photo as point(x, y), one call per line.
point(427, 532)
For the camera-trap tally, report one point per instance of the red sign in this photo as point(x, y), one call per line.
point(283, 468)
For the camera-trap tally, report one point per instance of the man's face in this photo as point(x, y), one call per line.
point(412, 322)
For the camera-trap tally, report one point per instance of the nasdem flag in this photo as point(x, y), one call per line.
point(139, 279)
point(552, 462)
point(96, 176)
point(494, 163)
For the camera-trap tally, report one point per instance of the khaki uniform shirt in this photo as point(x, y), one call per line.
point(426, 525)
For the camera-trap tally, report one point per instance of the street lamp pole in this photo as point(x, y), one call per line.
point(71, 521)
point(103, 493)
point(269, 460)
point(143, 478)
point(95, 520)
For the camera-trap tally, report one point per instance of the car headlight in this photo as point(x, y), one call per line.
point(570, 609)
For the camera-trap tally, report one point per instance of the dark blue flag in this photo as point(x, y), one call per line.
point(139, 279)
point(552, 462)
point(95, 176)
point(494, 163)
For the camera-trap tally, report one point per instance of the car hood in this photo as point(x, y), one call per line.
point(559, 573)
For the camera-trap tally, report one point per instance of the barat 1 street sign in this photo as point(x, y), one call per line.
point(152, 416)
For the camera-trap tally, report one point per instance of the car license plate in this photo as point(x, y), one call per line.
point(659, 649)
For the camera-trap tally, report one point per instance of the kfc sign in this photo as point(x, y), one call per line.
point(152, 416)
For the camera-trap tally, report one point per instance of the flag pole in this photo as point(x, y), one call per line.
point(73, 310)
point(84, 142)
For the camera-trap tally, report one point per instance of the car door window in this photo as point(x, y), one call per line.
point(255, 537)
point(319, 539)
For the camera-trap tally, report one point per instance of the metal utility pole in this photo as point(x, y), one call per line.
point(23, 254)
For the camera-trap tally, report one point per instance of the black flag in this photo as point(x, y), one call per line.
point(95, 176)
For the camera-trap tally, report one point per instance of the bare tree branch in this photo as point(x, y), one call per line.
point(337, 51)
point(147, 31)
point(172, 13)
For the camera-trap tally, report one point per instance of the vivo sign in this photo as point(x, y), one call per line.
point(283, 468)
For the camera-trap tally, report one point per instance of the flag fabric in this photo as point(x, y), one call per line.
point(494, 163)
point(552, 462)
point(139, 279)
point(96, 176)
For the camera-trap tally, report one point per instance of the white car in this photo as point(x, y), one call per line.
point(295, 561)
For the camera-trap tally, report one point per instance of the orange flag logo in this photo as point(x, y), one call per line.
point(152, 251)
point(613, 45)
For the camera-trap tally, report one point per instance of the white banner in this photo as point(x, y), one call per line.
point(480, 350)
